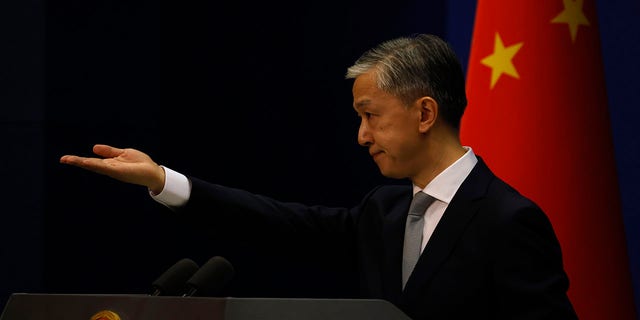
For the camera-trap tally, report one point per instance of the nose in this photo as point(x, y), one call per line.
point(364, 135)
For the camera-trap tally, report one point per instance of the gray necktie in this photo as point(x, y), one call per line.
point(413, 233)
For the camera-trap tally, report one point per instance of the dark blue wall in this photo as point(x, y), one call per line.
point(620, 40)
point(21, 146)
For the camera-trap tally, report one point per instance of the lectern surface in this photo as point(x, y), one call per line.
point(30, 306)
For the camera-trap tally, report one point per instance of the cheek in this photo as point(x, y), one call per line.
point(391, 134)
point(382, 129)
point(401, 142)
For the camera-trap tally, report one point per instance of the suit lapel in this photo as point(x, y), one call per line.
point(393, 233)
point(462, 208)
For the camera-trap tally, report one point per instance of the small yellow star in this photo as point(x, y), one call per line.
point(573, 16)
point(500, 60)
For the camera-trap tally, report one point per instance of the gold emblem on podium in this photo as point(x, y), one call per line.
point(105, 315)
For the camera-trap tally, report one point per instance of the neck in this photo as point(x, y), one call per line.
point(443, 152)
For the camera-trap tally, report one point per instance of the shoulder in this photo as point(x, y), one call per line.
point(385, 198)
point(505, 205)
point(494, 191)
point(502, 194)
point(516, 216)
point(389, 192)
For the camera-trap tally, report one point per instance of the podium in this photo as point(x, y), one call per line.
point(31, 306)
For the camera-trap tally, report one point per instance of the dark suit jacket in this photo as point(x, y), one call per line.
point(493, 255)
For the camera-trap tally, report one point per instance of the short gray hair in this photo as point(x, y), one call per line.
point(414, 67)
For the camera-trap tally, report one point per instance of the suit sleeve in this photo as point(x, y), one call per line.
point(228, 210)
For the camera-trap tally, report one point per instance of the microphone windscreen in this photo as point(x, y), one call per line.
point(172, 282)
point(211, 278)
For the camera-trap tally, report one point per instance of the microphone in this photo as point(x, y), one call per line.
point(172, 281)
point(210, 278)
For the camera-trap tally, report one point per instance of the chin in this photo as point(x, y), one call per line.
point(392, 174)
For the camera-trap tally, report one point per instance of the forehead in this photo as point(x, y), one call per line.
point(365, 90)
point(364, 84)
point(367, 94)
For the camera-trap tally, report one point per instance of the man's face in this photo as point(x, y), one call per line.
point(388, 128)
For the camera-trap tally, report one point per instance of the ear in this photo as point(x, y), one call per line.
point(428, 113)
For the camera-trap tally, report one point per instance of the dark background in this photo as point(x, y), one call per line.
point(246, 94)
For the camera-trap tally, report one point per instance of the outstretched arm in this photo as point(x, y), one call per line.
point(127, 165)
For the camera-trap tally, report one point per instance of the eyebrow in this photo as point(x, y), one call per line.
point(360, 104)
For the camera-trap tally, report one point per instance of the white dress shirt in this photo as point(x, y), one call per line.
point(443, 187)
point(176, 191)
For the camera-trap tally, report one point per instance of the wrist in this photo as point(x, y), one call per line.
point(158, 185)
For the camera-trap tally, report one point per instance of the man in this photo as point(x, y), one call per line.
point(481, 251)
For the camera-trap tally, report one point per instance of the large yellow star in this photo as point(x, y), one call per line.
point(500, 60)
point(573, 16)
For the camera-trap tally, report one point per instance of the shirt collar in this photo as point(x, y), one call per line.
point(444, 186)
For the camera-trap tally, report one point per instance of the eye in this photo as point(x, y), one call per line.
point(364, 115)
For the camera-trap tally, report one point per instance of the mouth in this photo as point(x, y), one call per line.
point(375, 154)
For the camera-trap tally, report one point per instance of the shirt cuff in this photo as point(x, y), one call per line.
point(176, 190)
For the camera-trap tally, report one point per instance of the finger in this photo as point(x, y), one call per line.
point(83, 162)
point(70, 159)
point(91, 164)
point(107, 151)
point(96, 165)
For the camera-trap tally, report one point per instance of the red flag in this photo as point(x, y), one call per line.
point(538, 115)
